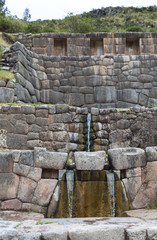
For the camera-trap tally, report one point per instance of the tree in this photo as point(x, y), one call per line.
point(76, 24)
point(2, 7)
point(26, 15)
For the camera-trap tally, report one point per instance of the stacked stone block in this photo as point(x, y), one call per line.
point(24, 186)
point(80, 44)
point(98, 81)
point(63, 128)
point(30, 179)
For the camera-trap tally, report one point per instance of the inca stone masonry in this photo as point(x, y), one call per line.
point(93, 70)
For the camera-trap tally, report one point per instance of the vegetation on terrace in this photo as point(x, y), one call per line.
point(117, 19)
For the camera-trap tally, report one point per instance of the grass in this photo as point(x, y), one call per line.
point(6, 75)
point(41, 223)
point(3, 42)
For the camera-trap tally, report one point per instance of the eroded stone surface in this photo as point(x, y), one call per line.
point(44, 191)
point(46, 159)
point(125, 158)
point(8, 185)
point(90, 160)
point(151, 153)
point(26, 189)
point(13, 204)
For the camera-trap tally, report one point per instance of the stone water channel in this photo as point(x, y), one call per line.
point(90, 193)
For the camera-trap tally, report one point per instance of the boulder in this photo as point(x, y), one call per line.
point(126, 158)
point(90, 160)
point(52, 160)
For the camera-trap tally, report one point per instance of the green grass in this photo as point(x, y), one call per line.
point(3, 42)
point(41, 223)
point(119, 19)
point(6, 75)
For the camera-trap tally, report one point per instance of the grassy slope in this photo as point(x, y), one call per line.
point(4, 75)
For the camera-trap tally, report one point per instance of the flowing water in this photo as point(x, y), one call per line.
point(91, 194)
point(88, 132)
point(70, 188)
point(111, 187)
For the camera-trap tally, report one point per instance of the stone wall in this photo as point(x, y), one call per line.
point(31, 180)
point(100, 81)
point(26, 182)
point(63, 128)
point(64, 44)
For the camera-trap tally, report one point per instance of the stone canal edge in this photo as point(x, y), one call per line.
point(141, 224)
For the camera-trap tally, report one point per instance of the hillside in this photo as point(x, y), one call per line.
point(117, 19)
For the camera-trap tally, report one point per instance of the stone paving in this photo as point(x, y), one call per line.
point(32, 226)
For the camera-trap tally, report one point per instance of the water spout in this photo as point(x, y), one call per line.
point(111, 187)
point(88, 133)
point(70, 188)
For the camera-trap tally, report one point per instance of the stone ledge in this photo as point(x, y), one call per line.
point(130, 228)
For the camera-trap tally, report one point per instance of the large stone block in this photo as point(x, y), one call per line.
point(105, 94)
point(29, 236)
point(16, 141)
point(46, 159)
point(75, 99)
point(50, 96)
point(6, 162)
point(151, 154)
point(53, 202)
point(128, 95)
point(149, 173)
point(44, 191)
point(8, 233)
point(132, 186)
point(6, 95)
point(21, 169)
point(26, 189)
point(146, 195)
point(135, 233)
point(55, 234)
point(125, 158)
point(90, 160)
point(27, 157)
point(152, 233)
point(8, 185)
point(13, 204)
point(35, 173)
point(98, 232)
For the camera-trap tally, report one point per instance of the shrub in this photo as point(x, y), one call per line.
point(33, 27)
point(134, 29)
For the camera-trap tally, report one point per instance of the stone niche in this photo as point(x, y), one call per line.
point(96, 47)
point(132, 46)
point(60, 47)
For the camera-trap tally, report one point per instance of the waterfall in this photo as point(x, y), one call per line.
point(88, 133)
point(70, 187)
point(111, 186)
